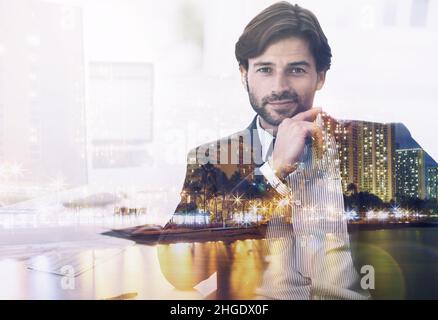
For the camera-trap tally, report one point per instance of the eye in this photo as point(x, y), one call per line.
point(296, 70)
point(264, 70)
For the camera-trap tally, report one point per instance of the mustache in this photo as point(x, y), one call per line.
point(284, 96)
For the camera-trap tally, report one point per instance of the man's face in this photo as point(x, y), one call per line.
point(282, 81)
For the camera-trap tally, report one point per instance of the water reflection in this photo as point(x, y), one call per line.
point(405, 263)
point(239, 266)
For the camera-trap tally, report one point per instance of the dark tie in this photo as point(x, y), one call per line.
point(271, 148)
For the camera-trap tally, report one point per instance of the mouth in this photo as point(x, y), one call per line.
point(282, 104)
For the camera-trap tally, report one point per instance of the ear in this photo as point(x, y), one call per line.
point(244, 77)
point(320, 79)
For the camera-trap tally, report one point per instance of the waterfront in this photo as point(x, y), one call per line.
point(405, 262)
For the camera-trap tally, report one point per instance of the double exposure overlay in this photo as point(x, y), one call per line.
point(218, 150)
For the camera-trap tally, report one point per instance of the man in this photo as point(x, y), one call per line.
point(287, 152)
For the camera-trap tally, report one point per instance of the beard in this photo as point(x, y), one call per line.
point(275, 117)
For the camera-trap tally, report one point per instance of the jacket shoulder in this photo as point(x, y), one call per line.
point(211, 149)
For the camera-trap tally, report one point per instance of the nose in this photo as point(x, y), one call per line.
point(281, 84)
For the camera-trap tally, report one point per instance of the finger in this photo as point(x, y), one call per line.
point(314, 134)
point(311, 130)
point(318, 142)
point(309, 115)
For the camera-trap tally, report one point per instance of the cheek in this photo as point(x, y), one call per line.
point(259, 87)
point(307, 87)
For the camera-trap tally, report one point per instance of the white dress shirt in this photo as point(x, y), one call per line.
point(266, 140)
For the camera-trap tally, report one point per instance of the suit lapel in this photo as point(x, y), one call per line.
point(256, 146)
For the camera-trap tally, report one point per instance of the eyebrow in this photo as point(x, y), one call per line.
point(292, 64)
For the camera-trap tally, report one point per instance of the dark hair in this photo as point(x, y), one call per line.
point(279, 21)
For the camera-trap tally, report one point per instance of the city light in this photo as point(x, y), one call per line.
point(371, 215)
point(242, 218)
point(237, 199)
point(57, 184)
point(11, 170)
point(192, 218)
point(382, 215)
point(351, 215)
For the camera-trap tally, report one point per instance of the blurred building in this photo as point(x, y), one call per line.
point(42, 118)
point(119, 113)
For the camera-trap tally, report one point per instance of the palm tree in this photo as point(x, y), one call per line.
point(352, 189)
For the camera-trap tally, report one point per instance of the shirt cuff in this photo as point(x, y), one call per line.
point(274, 180)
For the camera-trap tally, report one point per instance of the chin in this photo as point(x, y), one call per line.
point(279, 117)
point(275, 121)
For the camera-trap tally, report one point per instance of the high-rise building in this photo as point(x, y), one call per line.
point(432, 183)
point(346, 135)
point(410, 173)
point(376, 164)
point(366, 153)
